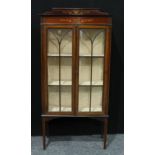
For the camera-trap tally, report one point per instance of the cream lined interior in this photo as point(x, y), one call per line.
point(85, 71)
point(65, 69)
point(66, 44)
point(65, 81)
point(53, 69)
point(85, 44)
point(97, 70)
point(96, 99)
point(53, 98)
point(84, 99)
point(66, 98)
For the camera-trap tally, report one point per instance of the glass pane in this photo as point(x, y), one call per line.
point(59, 54)
point(97, 71)
point(84, 98)
point(66, 98)
point(91, 69)
point(84, 71)
point(59, 40)
point(92, 41)
point(66, 71)
point(53, 98)
point(96, 99)
point(53, 70)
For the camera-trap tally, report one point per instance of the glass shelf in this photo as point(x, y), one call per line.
point(56, 109)
point(64, 83)
point(57, 55)
point(94, 83)
point(87, 55)
point(86, 109)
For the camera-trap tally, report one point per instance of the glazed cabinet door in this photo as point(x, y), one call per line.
point(58, 63)
point(91, 55)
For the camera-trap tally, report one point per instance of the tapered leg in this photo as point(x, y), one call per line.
point(44, 132)
point(47, 129)
point(105, 132)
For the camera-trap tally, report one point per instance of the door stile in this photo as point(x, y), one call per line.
point(76, 68)
point(44, 94)
point(74, 51)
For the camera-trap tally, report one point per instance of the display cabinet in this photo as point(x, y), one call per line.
point(75, 64)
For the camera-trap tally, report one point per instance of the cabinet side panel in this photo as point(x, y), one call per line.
point(107, 70)
point(43, 70)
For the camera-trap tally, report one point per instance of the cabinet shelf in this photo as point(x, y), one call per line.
point(57, 55)
point(69, 83)
point(63, 109)
point(94, 83)
point(64, 83)
point(86, 109)
point(85, 55)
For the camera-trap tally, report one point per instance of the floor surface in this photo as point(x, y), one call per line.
point(79, 145)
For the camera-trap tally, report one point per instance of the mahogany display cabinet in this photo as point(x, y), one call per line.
point(75, 64)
